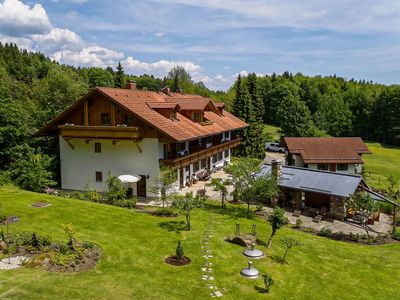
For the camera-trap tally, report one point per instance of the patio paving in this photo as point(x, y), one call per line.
point(383, 226)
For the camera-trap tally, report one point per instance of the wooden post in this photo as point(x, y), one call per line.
point(394, 218)
point(112, 114)
point(86, 114)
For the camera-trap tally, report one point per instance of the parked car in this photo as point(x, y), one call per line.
point(271, 146)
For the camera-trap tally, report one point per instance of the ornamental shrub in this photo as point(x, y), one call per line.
point(396, 235)
point(179, 251)
point(268, 281)
point(325, 231)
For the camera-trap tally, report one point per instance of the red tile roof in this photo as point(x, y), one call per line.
point(170, 105)
point(192, 103)
point(327, 150)
point(141, 104)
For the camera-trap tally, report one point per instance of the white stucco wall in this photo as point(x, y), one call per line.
point(298, 161)
point(79, 165)
point(351, 169)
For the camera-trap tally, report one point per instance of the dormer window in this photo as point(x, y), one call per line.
point(105, 119)
point(197, 116)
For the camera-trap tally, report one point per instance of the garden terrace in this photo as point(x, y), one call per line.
point(134, 246)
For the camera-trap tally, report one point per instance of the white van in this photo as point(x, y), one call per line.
point(271, 146)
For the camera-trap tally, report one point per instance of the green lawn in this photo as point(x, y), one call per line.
point(272, 132)
point(382, 163)
point(134, 246)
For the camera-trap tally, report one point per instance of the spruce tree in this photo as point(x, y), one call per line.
point(256, 101)
point(119, 77)
point(252, 143)
point(175, 84)
point(242, 102)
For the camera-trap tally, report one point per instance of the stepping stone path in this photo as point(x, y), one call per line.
point(206, 269)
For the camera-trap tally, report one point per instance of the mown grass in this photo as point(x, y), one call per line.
point(381, 164)
point(272, 132)
point(134, 246)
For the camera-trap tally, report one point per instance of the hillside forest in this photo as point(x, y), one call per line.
point(34, 89)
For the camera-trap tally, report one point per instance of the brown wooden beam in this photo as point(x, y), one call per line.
point(86, 114)
point(112, 114)
point(70, 144)
point(138, 147)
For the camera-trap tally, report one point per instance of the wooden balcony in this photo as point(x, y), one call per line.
point(101, 132)
point(195, 157)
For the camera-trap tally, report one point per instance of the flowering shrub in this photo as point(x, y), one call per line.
point(51, 191)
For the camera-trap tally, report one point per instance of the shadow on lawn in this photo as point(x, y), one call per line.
point(173, 226)
point(260, 289)
point(278, 259)
point(235, 212)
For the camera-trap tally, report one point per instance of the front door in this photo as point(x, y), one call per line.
point(141, 186)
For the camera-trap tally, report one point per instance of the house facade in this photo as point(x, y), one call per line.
point(131, 131)
point(339, 154)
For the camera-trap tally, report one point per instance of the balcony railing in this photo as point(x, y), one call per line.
point(195, 157)
point(101, 132)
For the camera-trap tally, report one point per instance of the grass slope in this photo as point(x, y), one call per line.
point(381, 164)
point(272, 132)
point(134, 246)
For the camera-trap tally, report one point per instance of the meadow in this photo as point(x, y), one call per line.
point(135, 244)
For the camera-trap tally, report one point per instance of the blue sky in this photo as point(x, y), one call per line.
point(214, 39)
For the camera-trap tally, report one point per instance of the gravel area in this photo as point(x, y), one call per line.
point(12, 262)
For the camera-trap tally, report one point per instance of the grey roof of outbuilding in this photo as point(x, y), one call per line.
point(323, 182)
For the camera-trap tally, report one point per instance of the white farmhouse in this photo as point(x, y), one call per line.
point(335, 154)
point(130, 131)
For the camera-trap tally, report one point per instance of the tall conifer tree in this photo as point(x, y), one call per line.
point(119, 77)
point(256, 100)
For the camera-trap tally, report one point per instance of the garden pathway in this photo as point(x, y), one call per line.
point(207, 269)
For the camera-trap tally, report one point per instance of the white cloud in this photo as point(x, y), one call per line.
point(57, 38)
point(242, 73)
point(89, 56)
point(158, 68)
point(220, 78)
point(18, 19)
point(340, 15)
point(72, 15)
point(78, 1)
point(22, 42)
point(159, 34)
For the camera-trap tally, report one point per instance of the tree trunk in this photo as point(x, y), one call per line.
point(284, 256)
point(369, 238)
point(188, 221)
point(270, 238)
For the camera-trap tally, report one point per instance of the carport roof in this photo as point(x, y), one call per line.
point(329, 183)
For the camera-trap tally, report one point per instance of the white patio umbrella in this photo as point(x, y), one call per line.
point(129, 178)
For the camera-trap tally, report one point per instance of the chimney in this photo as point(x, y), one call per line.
point(166, 90)
point(179, 90)
point(131, 85)
point(276, 168)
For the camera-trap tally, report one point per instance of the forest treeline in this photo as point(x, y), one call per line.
point(320, 106)
point(34, 89)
